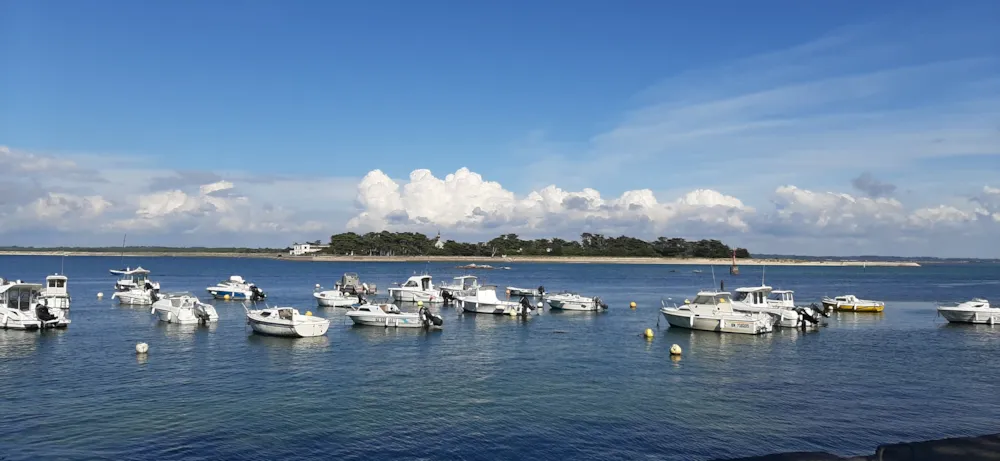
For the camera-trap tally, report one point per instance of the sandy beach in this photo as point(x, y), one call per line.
point(495, 262)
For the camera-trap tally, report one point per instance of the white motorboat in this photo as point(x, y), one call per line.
point(418, 288)
point(335, 298)
point(237, 289)
point(574, 302)
point(17, 305)
point(286, 321)
point(712, 311)
point(133, 278)
point(134, 287)
point(484, 301)
point(183, 308)
point(977, 310)
point(531, 292)
point(53, 302)
point(463, 285)
point(389, 315)
point(755, 300)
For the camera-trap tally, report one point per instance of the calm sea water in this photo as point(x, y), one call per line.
point(557, 386)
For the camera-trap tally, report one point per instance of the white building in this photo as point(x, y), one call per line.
point(299, 249)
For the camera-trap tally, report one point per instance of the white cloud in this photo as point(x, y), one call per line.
point(466, 202)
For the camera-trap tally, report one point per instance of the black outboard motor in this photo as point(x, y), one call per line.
point(256, 294)
point(825, 311)
point(43, 313)
point(447, 297)
point(806, 316)
point(525, 304)
point(541, 290)
point(429, 318)
point(600, 303)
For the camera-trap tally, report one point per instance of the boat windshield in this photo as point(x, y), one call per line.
point(712, 299)
point(410, 283)
point(741, 296)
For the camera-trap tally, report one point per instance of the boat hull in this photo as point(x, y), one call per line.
point(130, 298)
point(386, 320)
point(573, 306)
point(410, 296)
point(723, 324)
point(488, 308)
point(305, 330)
point(14, 321)
point(234, 295)
point(323, 299)
point(970, 316)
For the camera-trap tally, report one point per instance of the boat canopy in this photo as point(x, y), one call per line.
point(127, 271)
point(236, 279)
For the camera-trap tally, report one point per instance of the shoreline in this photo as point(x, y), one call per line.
point(495, 262)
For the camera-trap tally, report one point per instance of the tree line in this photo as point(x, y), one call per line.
point(387, 243)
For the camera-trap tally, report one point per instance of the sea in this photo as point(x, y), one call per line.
point(559, 385)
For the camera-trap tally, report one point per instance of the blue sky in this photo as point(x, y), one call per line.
point(737, 97)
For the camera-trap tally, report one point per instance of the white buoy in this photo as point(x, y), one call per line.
point(539, 305)
point(141, 348)
point(317, 285)
point(675, 350)
point(100, 295)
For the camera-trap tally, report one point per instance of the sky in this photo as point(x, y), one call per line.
point(816, 128)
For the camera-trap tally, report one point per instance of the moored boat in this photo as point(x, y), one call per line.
point(52, 305)
point(183, 308)
point(485, 301)
point(712, 311)
point(17, 305)
point(532, 292)
point(851, 303)
point(134, 287)
point(237, 289)
point(977, 310)
point(389, 315)
point(334, 298)
point(574, 302)
point(286, 321)
point(418, 288)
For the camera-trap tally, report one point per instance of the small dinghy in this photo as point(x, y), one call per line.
point(237, 289)
point(574, 302)
point(713, 311)
point(286, 321)
point(977, 310)
point(389, 315)
point(183, 308)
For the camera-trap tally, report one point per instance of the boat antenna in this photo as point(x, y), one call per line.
point(713, 276)
point(62, 265)
point(123, 248)
point(762, 268)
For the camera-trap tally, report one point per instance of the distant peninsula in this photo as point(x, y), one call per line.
point(507, 248)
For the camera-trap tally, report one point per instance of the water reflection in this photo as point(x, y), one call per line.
point(313, 344)
point(185, 332)
point(854, 319)
point(380, 334)
point(17, 343)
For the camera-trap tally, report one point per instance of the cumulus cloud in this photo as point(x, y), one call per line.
point(872, 187)
point(466, 202)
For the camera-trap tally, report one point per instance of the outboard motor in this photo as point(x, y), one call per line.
point(43, 314)
point(428, 318)
point(600, 303)
point(806, 316)
point(825, 310)
point(256, 294)
point(447, 297)
point(541, 290)
point(525, 304)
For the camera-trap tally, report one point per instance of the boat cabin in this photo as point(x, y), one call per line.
point(236, 279)
point(55, 285)
point(422, 282)
point(132, 277)
point(18, 295)
point(467, 282)
point(782, 298)
point(754, 296)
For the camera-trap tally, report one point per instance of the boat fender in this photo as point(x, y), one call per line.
point(675, 350)
point(309, 313)
point(648, 334)
point(141, 348)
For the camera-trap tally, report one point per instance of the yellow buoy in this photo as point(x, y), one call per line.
point(226, 297)
point(631, 305)
point(141, 348)
point(309, 313)
point(420, 303)
point(648, 333)
point(675, 350)
point(513, 313)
